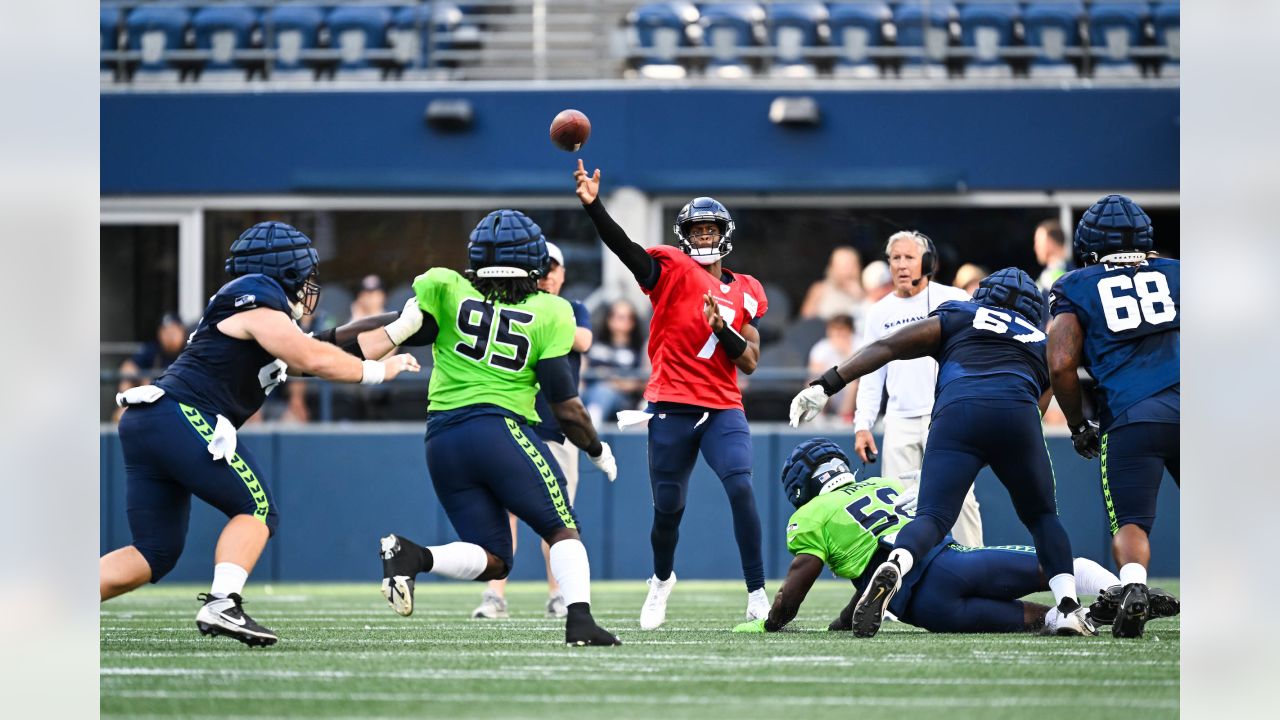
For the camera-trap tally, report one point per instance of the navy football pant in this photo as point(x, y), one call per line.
point(167, 460)
point(1134, 458)
point(489, 464)
point(724, 439)
point(975, 589)
point(1006, 434)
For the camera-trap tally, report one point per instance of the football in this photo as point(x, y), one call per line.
point(570, 130)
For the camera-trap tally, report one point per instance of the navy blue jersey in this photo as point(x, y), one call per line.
point(988, 352)
point(221, 374)
point(1129, 315)
point(548, 428)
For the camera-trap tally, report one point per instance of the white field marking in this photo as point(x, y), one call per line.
point(665, 700)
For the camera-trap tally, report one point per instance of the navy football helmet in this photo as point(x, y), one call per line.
point(507, 244)
point(281, 252)
point(1114, 224)
point(705, 209)
point(815, 467)
point(1012, 289)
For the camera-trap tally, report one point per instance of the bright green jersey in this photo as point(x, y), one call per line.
point(485, 352)
point(843, 527)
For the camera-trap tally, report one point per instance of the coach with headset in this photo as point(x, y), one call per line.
point(913, 260)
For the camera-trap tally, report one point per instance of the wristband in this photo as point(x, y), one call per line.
point(374, 372)
point(831, 382)
point(330, 336)
point(733, 343)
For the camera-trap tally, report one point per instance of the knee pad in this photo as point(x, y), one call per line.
point(161, 560)
point(668, 499)
point(506, 569)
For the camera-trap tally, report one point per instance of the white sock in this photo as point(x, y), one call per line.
point(904, 560)
point(459, 560)
point(1092, 578)
point(1133, 573)
point(228, 578)
point(1063, 585)
point(572, 570)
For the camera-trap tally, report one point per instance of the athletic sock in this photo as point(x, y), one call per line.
point(1063, 586)
point(1092, 578)
point(903, 558)
point(457, 560)
point(1133, 573)
point(228, 578)
point(572, 569)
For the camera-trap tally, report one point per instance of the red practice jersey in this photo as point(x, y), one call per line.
point(689, 366)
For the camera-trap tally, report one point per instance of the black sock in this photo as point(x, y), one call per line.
point(1068, 605)
point(579, 611)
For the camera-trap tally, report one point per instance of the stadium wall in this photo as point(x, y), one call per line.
point(339, 489)
point(659, 140)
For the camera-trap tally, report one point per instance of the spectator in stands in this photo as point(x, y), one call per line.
point(154, 356)
point(616, 359)
point(828, 352)
point(877, 281)
point(840, 291)
point(366, 402)
point(968, 277)
point(371, 298)
point(1051, 253)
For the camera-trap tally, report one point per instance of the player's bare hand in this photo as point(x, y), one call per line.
point(712, 312)
point(397, 364)
point(865, 446)
point(588, 185)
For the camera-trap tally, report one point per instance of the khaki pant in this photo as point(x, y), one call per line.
point(566, 455)
point(903, 452)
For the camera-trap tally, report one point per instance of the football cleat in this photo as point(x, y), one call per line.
point(869, 613)
point(1133, 613)
point(1068, 619)
point(581, 630)
point(654, 612)
point(757, 605)
point(398, 572)
point(226, 616)
point(556, 607)
point(492, 607)
point(1103, 610)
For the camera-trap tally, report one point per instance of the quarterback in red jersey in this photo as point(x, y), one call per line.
point(702, 332)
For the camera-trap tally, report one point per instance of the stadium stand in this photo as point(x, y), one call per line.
point(728, 30)
point(1166, 21)
point(925, 28)
point(291, 32)
point(1053, 30)
point(987, 29)
point(222, 31)
point(154, 30)
point(418, 32)
point(857, 29)
point(795, 29)
point(659, 31)
point(1115, 29)
point(359, 32)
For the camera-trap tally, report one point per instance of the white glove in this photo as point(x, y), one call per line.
point(605, 462)
point(409, 322)
point(141, 395)
point(906, 502)
point(806, 405)
point(222, 446)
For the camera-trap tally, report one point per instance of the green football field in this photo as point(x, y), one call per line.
point(344, 653)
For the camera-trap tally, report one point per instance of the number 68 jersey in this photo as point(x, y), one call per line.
point(1129, 315)
point(485, 352)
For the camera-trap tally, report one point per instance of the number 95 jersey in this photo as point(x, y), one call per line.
point(1129, 315)
point(486, 352)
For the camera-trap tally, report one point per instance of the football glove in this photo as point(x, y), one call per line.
point(141, 395)
point(751, 626)
point(906, 502)
point(409, 322)
point(806, 405)
point(605, 462)
point(222, 445)
point(1086, 440)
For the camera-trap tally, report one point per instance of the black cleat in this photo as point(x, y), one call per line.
point(1133, 613)
point(401, 562)
point(1162, 605)
point(226, 616)
point(868, 614)
point(581, 630)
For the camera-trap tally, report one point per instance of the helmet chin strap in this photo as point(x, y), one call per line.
point(709, 259)
point(297, 310)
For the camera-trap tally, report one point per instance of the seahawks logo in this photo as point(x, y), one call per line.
point(246, 300)
point(793, 527)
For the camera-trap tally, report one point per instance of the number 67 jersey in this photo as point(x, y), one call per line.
point(1129, 315)
point(486, 352)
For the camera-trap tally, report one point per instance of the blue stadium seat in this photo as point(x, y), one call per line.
point(418, 30)
point(1168, 36)
point(1052, 28)
point(927, 28)
point(987, 29)
point(658, 31)
point(222, 30)
point(856, 28)
point(154, 30)
point(727, 30)
point(109, 35)
point(794, 29)
point(1116, 27)
point(355, 30)
point(290, 31)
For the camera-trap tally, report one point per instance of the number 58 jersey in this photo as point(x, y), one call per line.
point(1129, 315)
point(485, 352)
point(843, 528)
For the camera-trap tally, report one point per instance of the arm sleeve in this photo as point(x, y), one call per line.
point(645, 269)
point(871, 387)
point(556, 379)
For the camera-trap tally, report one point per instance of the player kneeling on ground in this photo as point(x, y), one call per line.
point(850, 525)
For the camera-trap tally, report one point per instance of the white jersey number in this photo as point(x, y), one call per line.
point(709, 346)
point(998, 322)
point(1154, 303)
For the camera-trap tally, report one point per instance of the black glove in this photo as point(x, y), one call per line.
point(1086, 440)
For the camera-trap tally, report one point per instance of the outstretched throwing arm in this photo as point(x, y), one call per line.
point(632, 254)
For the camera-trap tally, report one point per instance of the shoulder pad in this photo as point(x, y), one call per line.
point(248, 292)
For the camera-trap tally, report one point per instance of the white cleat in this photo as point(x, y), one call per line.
point(654, 612)
point(397, 578)
point(492, 607)
point(757, 605)
point(1070, 623)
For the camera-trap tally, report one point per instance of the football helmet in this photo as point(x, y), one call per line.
point(1114, 224)
point(1011, 289)
point(699, 210)
point(815, 467)
point(507, 244)
point(283, 253)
